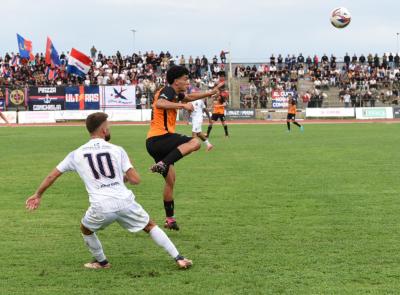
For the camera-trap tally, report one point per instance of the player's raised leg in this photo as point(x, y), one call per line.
point(175, 155)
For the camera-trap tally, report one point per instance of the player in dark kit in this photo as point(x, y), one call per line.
point(291, 116)
point(162, 143)
point(218, 112)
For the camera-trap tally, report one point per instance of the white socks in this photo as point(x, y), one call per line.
point(157, 234)
point(161, 239)
point(94, 246)
point(206, 142)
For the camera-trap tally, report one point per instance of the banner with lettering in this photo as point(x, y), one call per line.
point(46, 98)
point(280, 98)
point(82, 98)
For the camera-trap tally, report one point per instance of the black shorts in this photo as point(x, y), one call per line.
point(160, 146)
point(215, 117)
point(291, 116)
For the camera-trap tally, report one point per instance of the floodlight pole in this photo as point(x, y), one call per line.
point(397, 42)
point(133, 32)
point(230, 76)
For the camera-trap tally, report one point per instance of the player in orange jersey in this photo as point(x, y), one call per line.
point(218, 112)
point(291, 116)
point(162, 143)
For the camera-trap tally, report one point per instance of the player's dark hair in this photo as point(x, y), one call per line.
point(93, 121)
point(175, 72)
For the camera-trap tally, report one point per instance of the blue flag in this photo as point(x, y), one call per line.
point(52, 57)
point(25, 47)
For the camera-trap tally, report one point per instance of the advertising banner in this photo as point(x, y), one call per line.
point(239, 114)
point(36, 117)
point(123, 97)
point(396, 112)
point(330, 112)
point(374, 113)
point(15, 98)
point(82, 98)
point(46, 98)
point(280, 98)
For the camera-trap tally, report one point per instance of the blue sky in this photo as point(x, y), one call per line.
point(251, 29)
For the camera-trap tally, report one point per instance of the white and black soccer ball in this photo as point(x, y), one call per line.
point(340, 17)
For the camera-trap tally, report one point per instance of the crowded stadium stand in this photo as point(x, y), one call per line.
point(316, 82)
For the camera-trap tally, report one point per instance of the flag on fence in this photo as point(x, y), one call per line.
point(78, 63)
point(25, 48)
point(52, 57)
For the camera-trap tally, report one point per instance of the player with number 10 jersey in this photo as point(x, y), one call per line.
point(101, 166)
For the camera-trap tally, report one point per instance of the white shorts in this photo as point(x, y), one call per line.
point(133, 218)
point(196, 126)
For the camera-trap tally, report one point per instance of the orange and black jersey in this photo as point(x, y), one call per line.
point(292, 109)
point(218, 107)
point(164, 121)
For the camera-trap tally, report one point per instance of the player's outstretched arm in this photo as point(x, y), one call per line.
point(33, 201)
point(166, 104)
point(200, 95)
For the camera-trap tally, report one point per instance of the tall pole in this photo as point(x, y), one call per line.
point(230, 74)
point(397, 42)
point(133, 32)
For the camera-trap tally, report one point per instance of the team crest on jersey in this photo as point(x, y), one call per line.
point(17, 97)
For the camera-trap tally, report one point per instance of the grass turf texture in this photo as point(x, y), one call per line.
point(266, 212)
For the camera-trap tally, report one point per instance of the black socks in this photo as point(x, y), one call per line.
point(172, 157)
point(169, 208)
point(209, 130)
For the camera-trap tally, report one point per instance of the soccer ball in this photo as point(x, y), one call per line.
point(340, 17)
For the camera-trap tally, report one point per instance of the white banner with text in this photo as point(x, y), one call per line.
point(330, 112)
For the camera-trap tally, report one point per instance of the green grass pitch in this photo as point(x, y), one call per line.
point(266, 212)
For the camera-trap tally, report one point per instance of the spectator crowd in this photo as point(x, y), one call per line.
point(360, 80)
point(145, 70)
